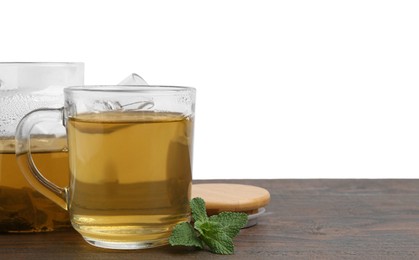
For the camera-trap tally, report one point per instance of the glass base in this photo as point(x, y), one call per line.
point(126, 245)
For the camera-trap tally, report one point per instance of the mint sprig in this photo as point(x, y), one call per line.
point(184, 235)
point(215, 233)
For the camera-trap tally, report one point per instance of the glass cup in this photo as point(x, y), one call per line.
point(130, 158)
point(25, 86)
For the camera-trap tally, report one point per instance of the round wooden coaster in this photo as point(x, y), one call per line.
point(231, 197)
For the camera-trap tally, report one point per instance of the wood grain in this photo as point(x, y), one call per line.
point(306, 219)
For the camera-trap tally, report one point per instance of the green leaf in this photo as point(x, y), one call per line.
point(231, 222)
point(214, 237)
point(184, 235)
point(216, 232)
point(199, 212)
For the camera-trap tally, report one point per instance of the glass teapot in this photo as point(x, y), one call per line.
point(24, 87)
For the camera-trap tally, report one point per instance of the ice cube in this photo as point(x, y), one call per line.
point(109, 105)
point(106, 105)
point(133, 79)
point(135, 105)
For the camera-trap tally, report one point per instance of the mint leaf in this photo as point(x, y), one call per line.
point(216, 232)
point(184, 235)
point(214, 237)
point(231, 222)
point(199, 212)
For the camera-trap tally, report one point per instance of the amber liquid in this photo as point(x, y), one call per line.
point(22, 209)
point(130, 175)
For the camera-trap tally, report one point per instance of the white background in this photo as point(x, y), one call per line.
point(286, 89)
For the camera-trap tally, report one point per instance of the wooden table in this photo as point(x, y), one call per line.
point(306, 219)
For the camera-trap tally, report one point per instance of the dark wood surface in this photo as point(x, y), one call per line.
point(306, 219)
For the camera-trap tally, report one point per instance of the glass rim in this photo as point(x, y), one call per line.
point(42, 63)
point(128, 88)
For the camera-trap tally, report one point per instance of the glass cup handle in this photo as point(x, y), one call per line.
point(24, 155)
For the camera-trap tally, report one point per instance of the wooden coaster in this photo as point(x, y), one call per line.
point(231, 197)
